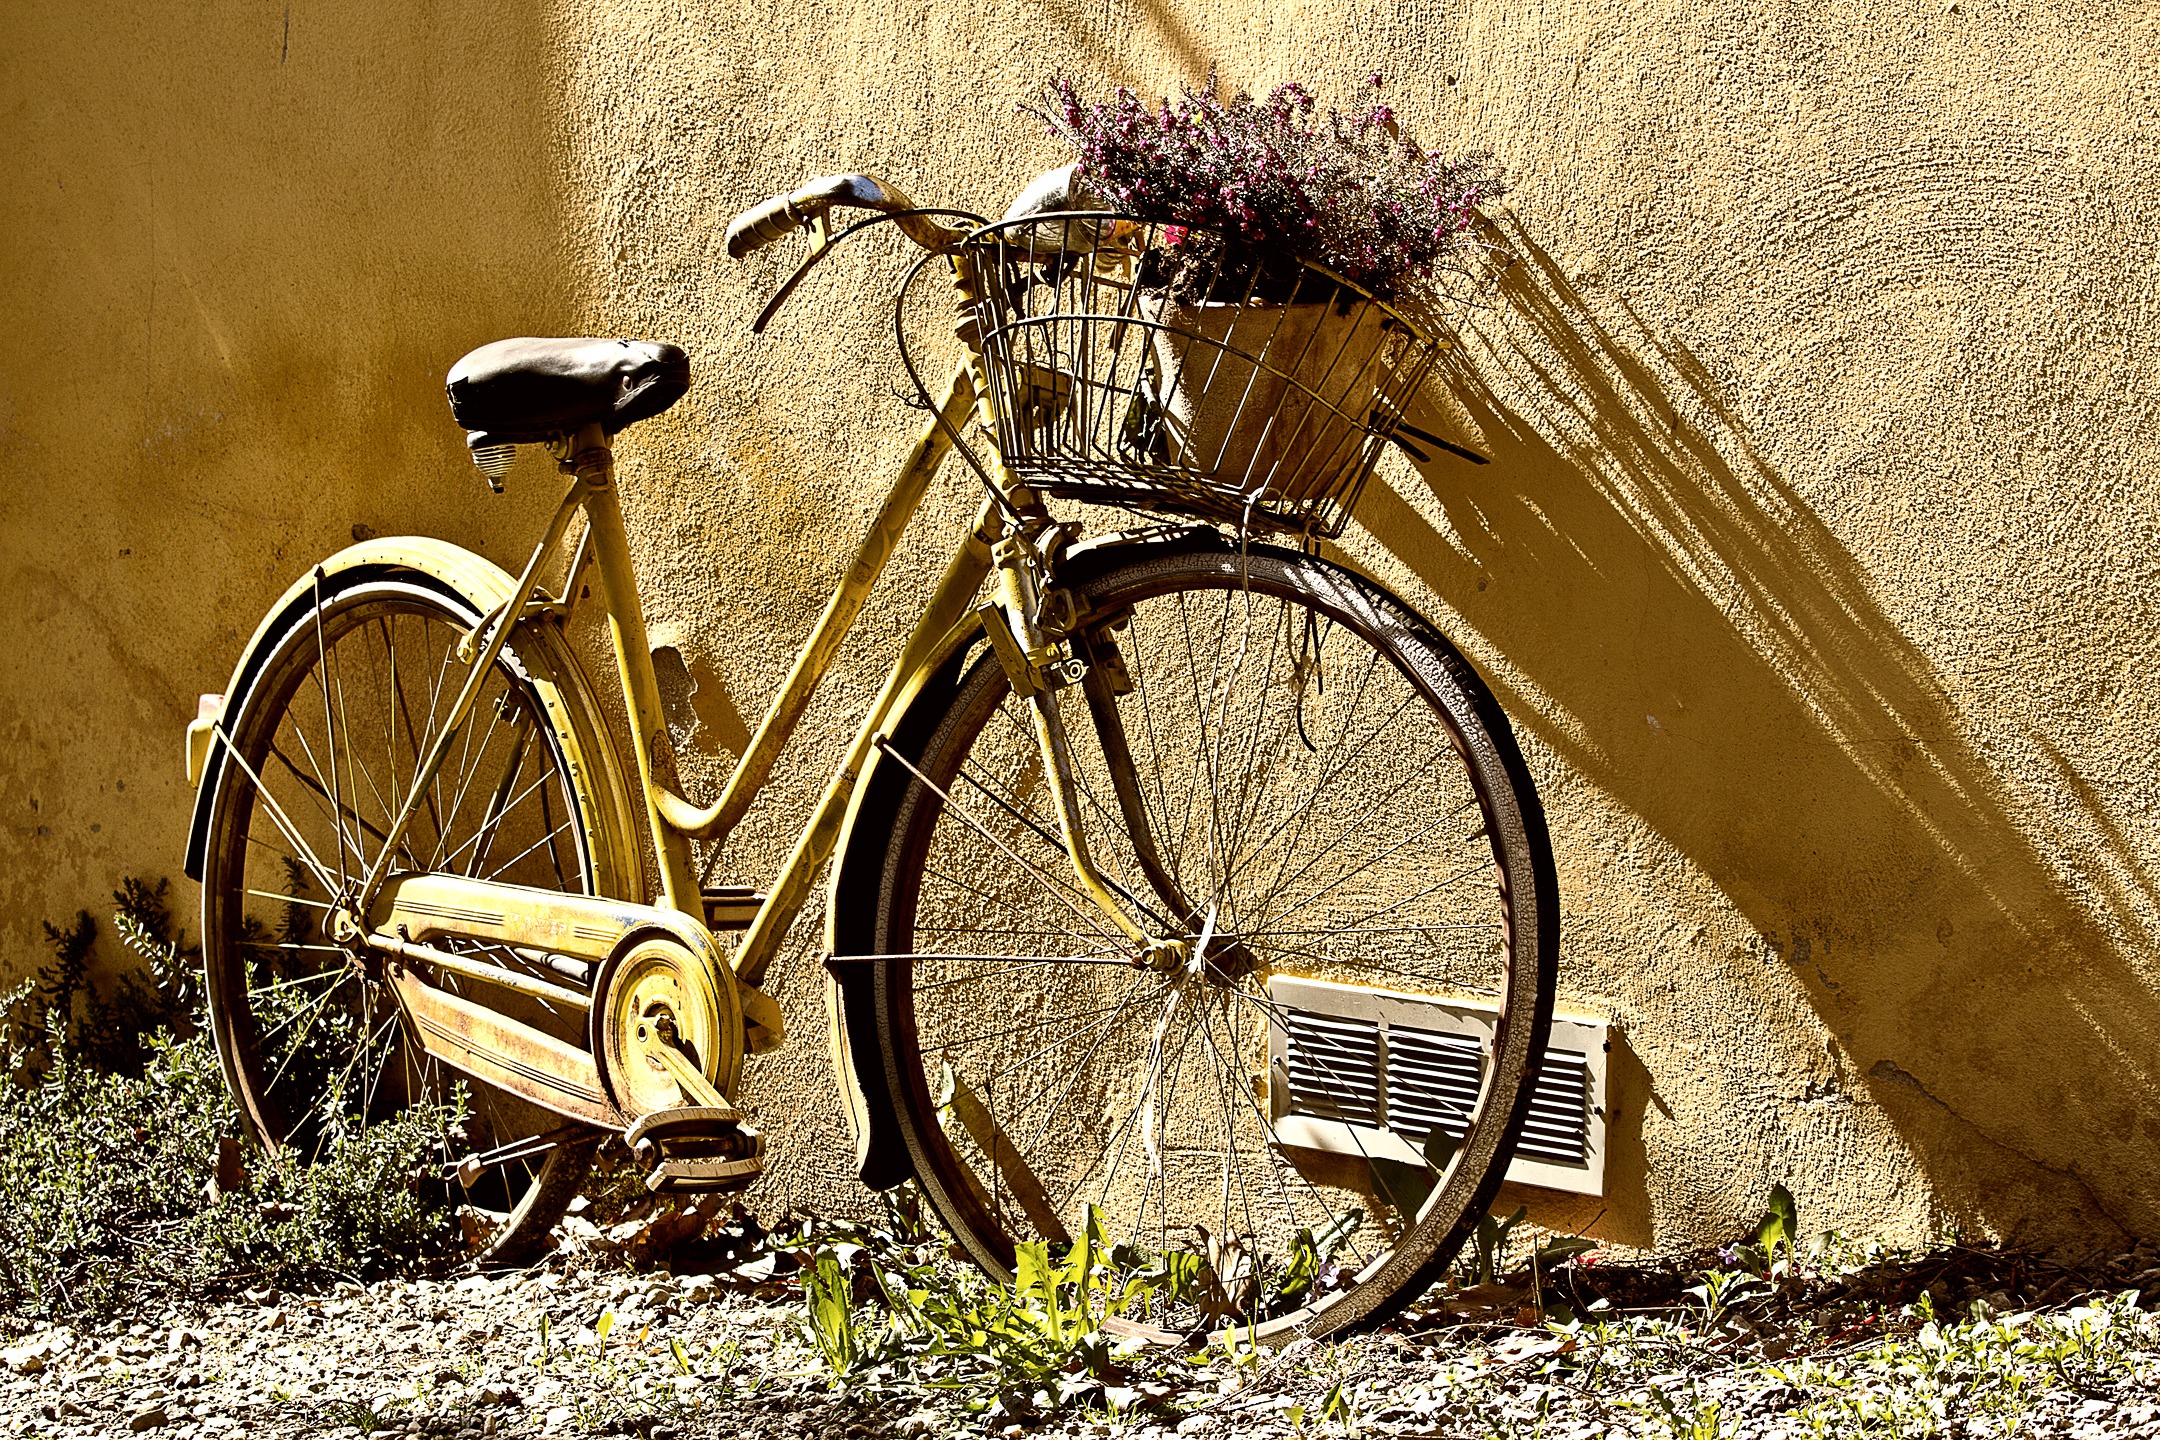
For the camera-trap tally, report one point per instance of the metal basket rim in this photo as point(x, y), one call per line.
point(991, 236)
point(1257, 362)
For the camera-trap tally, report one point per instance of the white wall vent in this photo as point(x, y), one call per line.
point(1366, 1072)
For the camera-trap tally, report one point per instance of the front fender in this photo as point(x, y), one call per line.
point(881, 1155)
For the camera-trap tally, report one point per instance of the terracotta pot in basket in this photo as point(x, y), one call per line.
point(1271, 400)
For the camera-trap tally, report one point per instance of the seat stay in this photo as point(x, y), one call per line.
point(469, 693)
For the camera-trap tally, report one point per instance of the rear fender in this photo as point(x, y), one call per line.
point(479, 584)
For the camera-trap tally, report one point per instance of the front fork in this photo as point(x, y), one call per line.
point(1038, 670)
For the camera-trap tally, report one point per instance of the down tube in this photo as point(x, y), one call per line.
point(963, 577)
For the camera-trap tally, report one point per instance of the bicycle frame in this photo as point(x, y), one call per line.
point(673, 821)
point(649, 1038)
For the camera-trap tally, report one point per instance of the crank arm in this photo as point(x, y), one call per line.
point(695, 1087)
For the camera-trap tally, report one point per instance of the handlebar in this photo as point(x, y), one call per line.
point(772, 219)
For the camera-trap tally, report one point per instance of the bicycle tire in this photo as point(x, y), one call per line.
point(994, 864)
point(387, 636)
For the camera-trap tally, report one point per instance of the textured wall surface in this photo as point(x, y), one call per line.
point(1816, 565)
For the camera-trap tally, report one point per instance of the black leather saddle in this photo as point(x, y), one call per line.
point(521, 392)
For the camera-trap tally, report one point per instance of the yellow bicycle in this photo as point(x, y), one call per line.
point(1153, 862)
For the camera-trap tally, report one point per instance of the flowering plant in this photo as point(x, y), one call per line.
point(1355, 193)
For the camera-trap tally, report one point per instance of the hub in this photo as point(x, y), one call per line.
point(345, 928)
point(1228, 961)
point(1213, 957)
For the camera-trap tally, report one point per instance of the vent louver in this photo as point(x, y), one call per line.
point(1432, 1082)
point(1334, 1067)
point(1374, 1073)
point(1557, 1129)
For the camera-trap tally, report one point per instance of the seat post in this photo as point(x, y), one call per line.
point(594, 463)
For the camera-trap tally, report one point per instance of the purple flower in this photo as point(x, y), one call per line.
point(1358, 195)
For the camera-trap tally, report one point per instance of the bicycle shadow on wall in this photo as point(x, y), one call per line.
point(1692, 640)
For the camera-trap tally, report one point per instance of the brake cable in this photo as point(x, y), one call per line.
point(819, 252)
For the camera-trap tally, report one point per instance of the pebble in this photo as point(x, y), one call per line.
point(461, 1359)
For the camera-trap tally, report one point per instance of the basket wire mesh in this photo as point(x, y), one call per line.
point(1159, 369)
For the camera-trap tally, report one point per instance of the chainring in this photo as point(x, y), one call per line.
point(655, 992)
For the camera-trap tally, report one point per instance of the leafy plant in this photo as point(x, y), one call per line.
point(63, 1009)
point(1312, 1259)
point(118, 1143)
point(1672, 1347)
point(357, 1415)
point(1354, 192)
point(1490, 1240)
point(1778, 1229)
point(1035, 1345)
point(1719, 1291)
point(829, 1300)
point(1336, 1409)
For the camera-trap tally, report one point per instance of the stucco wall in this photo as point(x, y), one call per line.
point(1815, 564)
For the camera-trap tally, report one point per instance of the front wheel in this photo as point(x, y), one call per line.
point(1296, 768)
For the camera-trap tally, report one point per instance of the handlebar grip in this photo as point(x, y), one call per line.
point(767, 221)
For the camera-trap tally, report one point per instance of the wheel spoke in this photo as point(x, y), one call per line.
point(320, 1047)
point(1050, 886)
point(1306, 791)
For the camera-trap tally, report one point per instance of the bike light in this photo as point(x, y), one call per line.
point(494, 462)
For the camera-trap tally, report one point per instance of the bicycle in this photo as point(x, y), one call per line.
point(1089, 830)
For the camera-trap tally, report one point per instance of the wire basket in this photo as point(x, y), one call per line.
point(1160, 369)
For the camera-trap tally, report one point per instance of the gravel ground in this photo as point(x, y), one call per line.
point(671, 1358)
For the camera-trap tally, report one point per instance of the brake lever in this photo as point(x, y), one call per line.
point(825, 241)
point(821, 245)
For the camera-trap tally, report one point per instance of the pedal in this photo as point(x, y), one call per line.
point(697, 1148)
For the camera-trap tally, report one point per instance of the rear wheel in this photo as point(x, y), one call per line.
point(1333, 799)
point(324, 749)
